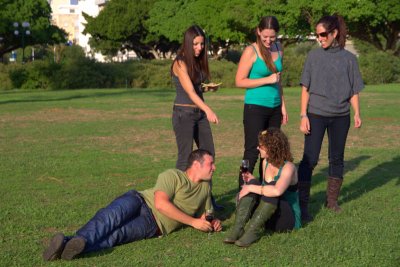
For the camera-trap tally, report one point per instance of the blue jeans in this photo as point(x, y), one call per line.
point(191, 124)
point(337, 128)
point(124, 220)
point(256, 119)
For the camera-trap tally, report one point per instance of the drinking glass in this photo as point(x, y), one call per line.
point(209, 217)
point(244, 167)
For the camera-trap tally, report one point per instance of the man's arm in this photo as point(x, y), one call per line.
point(167, 208)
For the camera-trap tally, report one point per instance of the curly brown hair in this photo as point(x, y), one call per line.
point(277, 146)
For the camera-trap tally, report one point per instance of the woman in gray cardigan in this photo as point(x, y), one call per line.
point(331, 83)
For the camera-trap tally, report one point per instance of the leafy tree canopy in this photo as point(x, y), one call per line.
point(224, 22)
point(37, 13)
point(374, 21)
point(151, 27)
point(120, 25)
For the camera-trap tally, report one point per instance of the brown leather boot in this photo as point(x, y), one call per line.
point(332, 193)
point(304, 197)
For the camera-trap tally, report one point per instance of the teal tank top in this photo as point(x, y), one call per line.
point(267, 95)
point(291, 195)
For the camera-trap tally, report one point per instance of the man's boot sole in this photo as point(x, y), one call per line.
point(73, 248)
point(55, 248)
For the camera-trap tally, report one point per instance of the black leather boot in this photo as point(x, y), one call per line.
point(304, 198)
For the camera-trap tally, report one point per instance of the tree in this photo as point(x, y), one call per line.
point(374, 21)
point(152, 28)
point(119, 26)
point(224, 22)
point(37, 13)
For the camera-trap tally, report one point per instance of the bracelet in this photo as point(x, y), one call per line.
point(303, 116)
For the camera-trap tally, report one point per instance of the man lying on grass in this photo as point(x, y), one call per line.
point(177, 198)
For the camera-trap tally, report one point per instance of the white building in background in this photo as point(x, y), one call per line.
point(67, 14)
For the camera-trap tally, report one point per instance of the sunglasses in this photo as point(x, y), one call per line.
point(322, 34)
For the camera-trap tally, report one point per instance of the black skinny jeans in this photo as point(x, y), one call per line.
point(337, 128)
point(191, 124)
point(256, 119)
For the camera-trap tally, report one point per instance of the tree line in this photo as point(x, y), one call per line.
point(154, 28)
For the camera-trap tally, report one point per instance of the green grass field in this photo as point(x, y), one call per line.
point(65, 154)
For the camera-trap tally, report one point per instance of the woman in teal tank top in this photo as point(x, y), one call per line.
point(259, 72)
point(278, 207)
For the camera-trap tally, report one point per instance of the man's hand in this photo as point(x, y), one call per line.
point(202, 225)
point(216, 224)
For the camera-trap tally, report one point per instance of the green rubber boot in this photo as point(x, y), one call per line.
point(255, 228)
point(243, 212)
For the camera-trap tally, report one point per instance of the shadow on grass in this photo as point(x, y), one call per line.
point(226, 201)
point(375, 178)
point(97, 254)
point(78, 95)
point(350, 165)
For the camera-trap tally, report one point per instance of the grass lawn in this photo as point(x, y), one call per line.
point(66, 154)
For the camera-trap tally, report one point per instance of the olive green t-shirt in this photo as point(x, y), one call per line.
point(189, 197)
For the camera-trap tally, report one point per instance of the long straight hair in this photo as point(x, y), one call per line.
point(195, 65)
point(335, 22)
point(271, 23)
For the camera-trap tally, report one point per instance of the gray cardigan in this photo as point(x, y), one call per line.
point(331, 77)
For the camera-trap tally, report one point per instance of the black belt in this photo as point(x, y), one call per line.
point(197, 110)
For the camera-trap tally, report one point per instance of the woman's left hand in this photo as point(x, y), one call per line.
point(285, 117)
point(212, 117)
point(245, 190)
point(357, 121)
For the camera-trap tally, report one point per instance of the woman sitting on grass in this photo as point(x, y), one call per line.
point(277, 193)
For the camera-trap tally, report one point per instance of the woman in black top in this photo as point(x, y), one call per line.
point(331, 83)
point(191, 115)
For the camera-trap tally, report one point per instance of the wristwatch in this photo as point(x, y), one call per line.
point(303, 116)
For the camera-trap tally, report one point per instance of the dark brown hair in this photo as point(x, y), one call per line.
point(197, 155)
point(195, 65)
point(268, 22)
point(335, 22)
point(277, 146)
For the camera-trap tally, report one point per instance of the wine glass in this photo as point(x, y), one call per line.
point(244, 166)
point(210, 216)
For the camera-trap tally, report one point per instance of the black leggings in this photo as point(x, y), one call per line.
point(256, 119)
point(283, 219)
